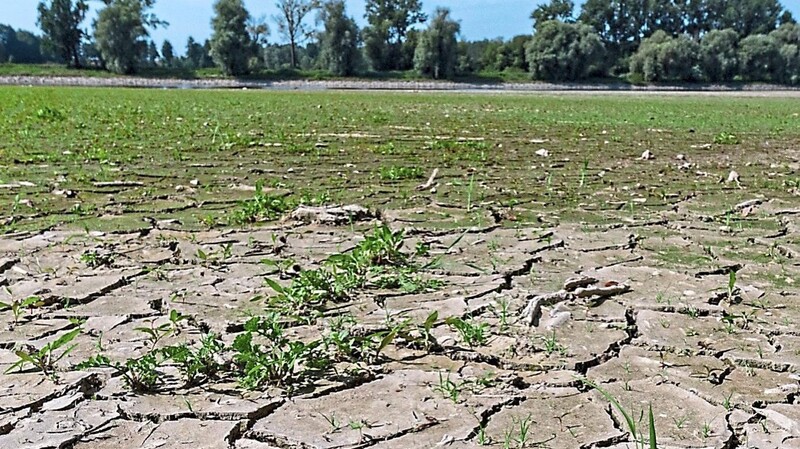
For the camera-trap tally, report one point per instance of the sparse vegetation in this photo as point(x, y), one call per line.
point(171, 211)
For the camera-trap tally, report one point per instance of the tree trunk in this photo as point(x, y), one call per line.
point(294, 56)
point(75, 58)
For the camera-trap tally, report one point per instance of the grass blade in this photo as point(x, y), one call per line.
point(652, 423)
point(628, 419)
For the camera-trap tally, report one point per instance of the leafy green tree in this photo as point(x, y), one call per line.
point(565, 52)
point(291, 22)
point(194, 53)
point(231, 47)
point(8, 42)
point(489, 54)
point(152, 55)
point(27, 48)
point(90, 55)
point(664, 58)
point(788, 38)
point(620, 23)
point(786, 18)
point(339, 53)
point(561, 10)
point(120, 32)
point(751, 16)
point(167, 54)
point(718, 58)
point(512, 54)
point(60, 22)
point(258, 29)
point(788, 33)
point(760, 58)
point(467, 59)
point(700, 16)
point(437, 51)
point(790, 56)
point(389, 39)
point(206, 60)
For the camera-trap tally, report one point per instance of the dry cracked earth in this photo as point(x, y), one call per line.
point(625, 307)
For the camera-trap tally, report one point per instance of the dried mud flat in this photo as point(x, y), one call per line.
point(755, 90)
point(718, 364)
point(549, 271)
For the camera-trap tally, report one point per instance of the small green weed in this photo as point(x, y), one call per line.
point(157, 333)
point(45, 359)
point(262, 206)
point(448, 388)
point(197, 364)
point(18, 306)
point(96, 259)
point(396, 173)
point(726, 138)
point(471, 332)
point(552, 346)
point(265, 355)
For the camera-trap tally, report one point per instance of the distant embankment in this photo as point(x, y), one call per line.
point(399, 85)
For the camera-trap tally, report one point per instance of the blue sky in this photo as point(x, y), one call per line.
point(479, 18)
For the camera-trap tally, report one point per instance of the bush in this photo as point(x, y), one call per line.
point(565, 52)
point(664, 58)
point(760, 59)
point(718, 58)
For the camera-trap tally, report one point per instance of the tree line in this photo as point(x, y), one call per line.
point(645, 40)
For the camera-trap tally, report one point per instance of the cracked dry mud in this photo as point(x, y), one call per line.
point(718, 366)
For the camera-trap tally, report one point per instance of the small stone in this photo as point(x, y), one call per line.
point(542, 152)
point(559, 319)
point(194, 182)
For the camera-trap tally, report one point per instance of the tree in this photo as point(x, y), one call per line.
point(565, 52)
point(152, 55)
point(760, 58)
point(555, 10)
point(26, 47)
point(790, 58)
point(489, 50)
point(90, 55)
point(389, 39)
point(8, 43)
point(120, 32)
point(339, 53)
point(788, 38)
point(194, 53)
point(231, 47)
point(60, 22)
point(752, 16)
point(664, 58)
point(258, 29)
point(437, 51)
point(167, 53)
point(290, 22)
point(718, 58)
point(206, 60)
point(618, 22)
point(511, 55)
